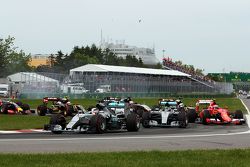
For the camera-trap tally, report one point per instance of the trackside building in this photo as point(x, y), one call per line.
point(29, 82)
point(106, 78)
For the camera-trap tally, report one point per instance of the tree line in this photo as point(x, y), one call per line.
point(79, 56)
point(13, 61)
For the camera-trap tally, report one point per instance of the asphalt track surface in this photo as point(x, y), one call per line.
point(196, 136)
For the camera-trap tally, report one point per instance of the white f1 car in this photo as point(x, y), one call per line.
point(99, 120)
point(170, 114)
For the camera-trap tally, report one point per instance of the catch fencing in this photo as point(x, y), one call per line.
point(95, 85)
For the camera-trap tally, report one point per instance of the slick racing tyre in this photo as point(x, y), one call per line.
point(42, 110)
point(145, 120)
point(156, 108)
point(192, 115)
point(182, 118)
point(133, 122)
point(98, 123)
point(58, 119)
point(238, 114)
point(206, 115)
point(69, 111)
point(25, 107)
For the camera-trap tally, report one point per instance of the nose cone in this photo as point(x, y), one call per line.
point(225, 117)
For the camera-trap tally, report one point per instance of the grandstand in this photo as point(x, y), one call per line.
point(170, 65)
point(133, 79)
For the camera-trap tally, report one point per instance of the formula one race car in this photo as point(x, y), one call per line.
point(99, 120)
point(207, 112)
point(108, 99)
point(10, 107)
point(118, 105)
point(59, 106)
point(169, 114)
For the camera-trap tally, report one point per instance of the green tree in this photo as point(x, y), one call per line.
point(80, 56)
point(18, 62)
point(6, 48)
point(11, 60)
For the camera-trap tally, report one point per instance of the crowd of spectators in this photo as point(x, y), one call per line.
point(170, 64)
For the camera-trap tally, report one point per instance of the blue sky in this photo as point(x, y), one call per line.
point(210, 34)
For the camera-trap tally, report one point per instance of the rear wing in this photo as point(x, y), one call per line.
point(47, 99)
point(204, 101)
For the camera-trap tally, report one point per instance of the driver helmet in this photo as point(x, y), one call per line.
point(213, 102)
point(59, 103)
point(65, 99)
point(181, 105)
point(100, 106)
point(216, 106)
point(178, 101)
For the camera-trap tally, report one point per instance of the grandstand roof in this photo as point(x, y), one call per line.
point(30, 77)
point(122, 69)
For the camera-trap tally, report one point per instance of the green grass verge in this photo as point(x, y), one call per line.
point(15, 122)
point(232, 103)
point(204, 158)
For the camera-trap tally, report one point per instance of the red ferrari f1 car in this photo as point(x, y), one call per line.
point(208, 112)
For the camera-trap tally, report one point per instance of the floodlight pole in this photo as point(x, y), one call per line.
point(163, 53)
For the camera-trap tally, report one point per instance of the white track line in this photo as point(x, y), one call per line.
point(39, 130)
point(22, 131)
point(8, 132)
point(248, 113)
point(130, 137)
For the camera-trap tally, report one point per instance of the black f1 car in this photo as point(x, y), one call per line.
point(99, 120)
point(59, 106)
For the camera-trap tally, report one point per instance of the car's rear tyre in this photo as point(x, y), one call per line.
point(70, 110)
point(238, 114)
point(58, 119)
point(5, 110)
point(42, 110)
point(156, 108)
point(133, 122)
point(98, 123)
point(145, 120)
point(206, 115)
point(183, 120)
point(192, 115)
point(25, 106)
